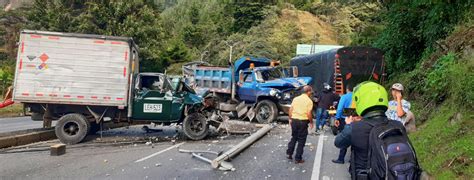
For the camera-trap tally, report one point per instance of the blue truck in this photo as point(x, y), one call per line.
point(260, 86)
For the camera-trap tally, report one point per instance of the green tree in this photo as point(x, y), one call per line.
point(247, 14)
point(134, 19)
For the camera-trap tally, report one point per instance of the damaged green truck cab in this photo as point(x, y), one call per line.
point(156, 99)
point(162, 99)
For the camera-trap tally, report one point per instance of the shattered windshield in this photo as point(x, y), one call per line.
point(271, 74)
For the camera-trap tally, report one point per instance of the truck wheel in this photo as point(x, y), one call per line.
point(37, 116)
point(72, 128)
point(266, 111)
point(195, 126)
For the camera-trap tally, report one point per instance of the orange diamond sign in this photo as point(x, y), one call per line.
point(44, 57)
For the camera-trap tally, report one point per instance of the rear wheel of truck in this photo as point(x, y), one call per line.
point(266, 111)
point(195, 126)
point(72, 128)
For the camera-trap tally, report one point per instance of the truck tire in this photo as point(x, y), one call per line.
point(266, 111)
point(72, 128)
point(37, 116)
point(195, 126)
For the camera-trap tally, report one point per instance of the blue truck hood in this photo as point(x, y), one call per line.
point(287, 82)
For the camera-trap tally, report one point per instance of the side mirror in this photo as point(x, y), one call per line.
point(295, 71)
point(241, 77)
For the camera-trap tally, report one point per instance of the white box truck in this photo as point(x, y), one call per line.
point(84, 80)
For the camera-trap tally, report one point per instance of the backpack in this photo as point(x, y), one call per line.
point(391, 154)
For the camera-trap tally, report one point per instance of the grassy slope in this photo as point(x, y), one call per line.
point(445, 143)
point(12, 111)
point(445, 139)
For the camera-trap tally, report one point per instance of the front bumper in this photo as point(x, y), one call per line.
point(285, 108)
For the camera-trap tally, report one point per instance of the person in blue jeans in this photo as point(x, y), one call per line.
point(326, 99)
point(345, 102)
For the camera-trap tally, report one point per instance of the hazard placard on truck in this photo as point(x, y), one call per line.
point(66, 68)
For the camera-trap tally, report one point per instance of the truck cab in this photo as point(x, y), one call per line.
point(155, 99)
point(270, 89)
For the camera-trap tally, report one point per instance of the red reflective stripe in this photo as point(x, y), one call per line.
point(25, 94)
point(67, 96)
point(348, 75)
point(94, 97)
point(80, 97)
point(22, 47)
point(53, 37)
point(21, 64)
point(126, 55)
point(376, 76)
point(115, 42)
point(119, 99)
point(99, 42)
point(39, 94)
point(124, 71)
point(35, 36)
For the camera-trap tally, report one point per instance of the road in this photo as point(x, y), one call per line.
point(124, 154)
point(19, 123)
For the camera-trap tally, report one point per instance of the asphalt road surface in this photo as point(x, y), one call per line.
point(126, 153)
point(19, 123)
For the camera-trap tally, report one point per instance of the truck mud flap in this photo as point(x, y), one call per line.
point(242, 109)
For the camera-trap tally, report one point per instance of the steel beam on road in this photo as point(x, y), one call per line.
point(216, 163)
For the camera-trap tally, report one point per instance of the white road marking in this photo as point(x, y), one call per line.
point(162, 151)
point(318, 158)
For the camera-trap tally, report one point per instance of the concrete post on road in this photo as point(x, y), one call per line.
point(216, 163)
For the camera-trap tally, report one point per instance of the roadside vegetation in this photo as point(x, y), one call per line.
point(428, 47)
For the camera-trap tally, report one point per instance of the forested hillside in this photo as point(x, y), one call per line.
point(428, 47)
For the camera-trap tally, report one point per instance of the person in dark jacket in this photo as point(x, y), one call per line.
point(326, 99)
point(371, 102)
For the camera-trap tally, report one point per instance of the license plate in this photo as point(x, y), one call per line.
point(152, 108)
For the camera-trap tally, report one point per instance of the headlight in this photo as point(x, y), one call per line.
point(287, 96)
point(273, 92)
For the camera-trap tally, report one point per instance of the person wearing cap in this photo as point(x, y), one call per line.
point(399, 108)
point(300, 115)
point(326, 99)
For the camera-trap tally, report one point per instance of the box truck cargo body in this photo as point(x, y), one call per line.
point(74, 69)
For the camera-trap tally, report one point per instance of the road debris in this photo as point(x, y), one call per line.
point(199, 151)
point(216, 163)
point(58, 149)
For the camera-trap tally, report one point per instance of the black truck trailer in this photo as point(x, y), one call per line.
point(342, 66)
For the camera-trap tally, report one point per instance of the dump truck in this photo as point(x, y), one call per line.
point(257, 88)
point(341, 66)
point(84, 81)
